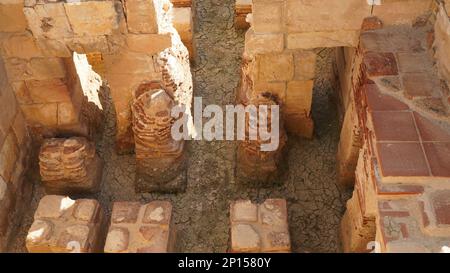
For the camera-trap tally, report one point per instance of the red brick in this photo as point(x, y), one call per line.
point(380, 64)
point(380, 102)
point(429, 131)
point(440, 201)
point(394, 126)
point(413, 62)
point(417, 85)
point(402, 159)
point(438, 155)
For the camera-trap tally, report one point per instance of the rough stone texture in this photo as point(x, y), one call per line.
point(64, 225)
point(257, 167)
point(315, 205)
point(70, 166)
point(15, 189)
point(183, 23)
point(137, 228)
point(259, 228)
point(160, 160)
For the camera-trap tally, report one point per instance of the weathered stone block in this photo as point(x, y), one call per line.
point(12, 18)
point(92, 18)
point(267, 17)
point(51, 90)
point(310, 40)
point(325, 15)
point(70, 166)
point(137, 228)
point(299, 97)
point(41, 114)
point(259, 228)
point(148, 43)
point(141, 16)
point(63, 225)
point(21, 46)
point(183, 23)
point(275, 67)
point(305, 65)
point(263, 43)
point(35, 69)
point(48, 21)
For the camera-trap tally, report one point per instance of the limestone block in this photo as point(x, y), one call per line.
point(53, 48)
point(310, 40)
point(21, 46)
point(275, 67)
point(259, 228)
point(183, 23)
point(63, 225)
point(141, 16)
point(267, 16)
point(299, 97)
point(51, 90)
point(128, 62)
point(35, 69)
point(92, 18)
point(299, 124)
point(401, 12)
point(48, 21)
point(12, 18)
point(69, 166)
point(43, 114)
point(148, 43)
point(137, 228)
point(263, 43)
point(68, 114)
point(160, 160)
point(325, 15)
point(305, 65)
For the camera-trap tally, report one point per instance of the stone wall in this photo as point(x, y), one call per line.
point(132, 39)
point(442, 44)
point(15, 191)
point(279, 46)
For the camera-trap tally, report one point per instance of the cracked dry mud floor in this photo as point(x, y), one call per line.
point(202, 213)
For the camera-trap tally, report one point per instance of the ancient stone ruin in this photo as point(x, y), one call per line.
point(70, 166)
point(137, 228)
point(89, 161)
point(160, 160)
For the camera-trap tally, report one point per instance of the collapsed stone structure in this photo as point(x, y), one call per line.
point(70, 166)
